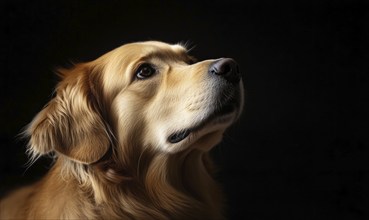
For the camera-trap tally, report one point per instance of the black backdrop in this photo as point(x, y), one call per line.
point(300, 151)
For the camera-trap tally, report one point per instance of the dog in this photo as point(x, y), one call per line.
point(131, 134)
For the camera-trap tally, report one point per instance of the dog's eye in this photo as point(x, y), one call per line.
point(145, 71)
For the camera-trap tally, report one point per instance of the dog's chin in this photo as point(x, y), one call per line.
point(207, 132)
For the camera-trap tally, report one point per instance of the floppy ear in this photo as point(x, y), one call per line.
point(70, 123)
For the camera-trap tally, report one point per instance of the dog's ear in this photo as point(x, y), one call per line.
point(71, 123)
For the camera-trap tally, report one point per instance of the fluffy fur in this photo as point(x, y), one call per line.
point(131, 133)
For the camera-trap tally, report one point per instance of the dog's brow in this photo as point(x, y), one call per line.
point(167, 55)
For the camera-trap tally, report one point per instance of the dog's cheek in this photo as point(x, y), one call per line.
point(127, 115)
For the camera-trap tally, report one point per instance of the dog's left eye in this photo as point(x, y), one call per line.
point(145, 71)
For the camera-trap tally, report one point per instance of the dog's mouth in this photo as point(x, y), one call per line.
point(221, 114)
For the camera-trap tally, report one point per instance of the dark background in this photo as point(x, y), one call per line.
point(300, 151)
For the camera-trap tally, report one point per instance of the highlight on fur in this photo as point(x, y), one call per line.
point(131, 134)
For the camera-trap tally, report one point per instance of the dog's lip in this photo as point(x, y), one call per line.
point(179, 136)
point(225, 109)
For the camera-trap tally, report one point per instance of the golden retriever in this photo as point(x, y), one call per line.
point(131, 133)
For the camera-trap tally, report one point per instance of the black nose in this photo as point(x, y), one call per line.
point(226, 68)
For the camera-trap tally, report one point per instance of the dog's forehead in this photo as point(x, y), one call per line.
point(148, 49)
point(155, 45)
point(131, 52)
point(153, 48)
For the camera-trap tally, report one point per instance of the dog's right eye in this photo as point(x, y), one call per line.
point(144, 71)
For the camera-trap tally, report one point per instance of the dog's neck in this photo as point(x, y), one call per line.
point(187, 174)
point(178, 186)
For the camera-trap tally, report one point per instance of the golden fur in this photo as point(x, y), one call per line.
point(131, 142)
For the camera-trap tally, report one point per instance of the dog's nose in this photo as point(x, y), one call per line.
point(226, 68)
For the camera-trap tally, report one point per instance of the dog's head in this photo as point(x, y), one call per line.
point(149, 95)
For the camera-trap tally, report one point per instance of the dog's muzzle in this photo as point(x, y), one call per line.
point(228, 71)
